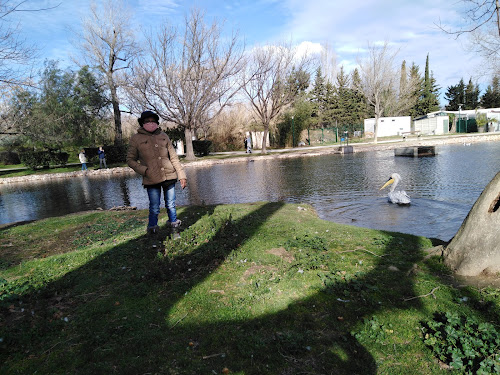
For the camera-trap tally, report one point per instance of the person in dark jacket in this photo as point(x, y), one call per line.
point(152, 155)
point(102, 157)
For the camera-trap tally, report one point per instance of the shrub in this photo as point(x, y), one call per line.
point(114, 154)
point(43, 159)
point(463, 343)
point(202, 147)
point(58, 158)
point(9, 158)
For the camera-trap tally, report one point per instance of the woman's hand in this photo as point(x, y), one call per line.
point(183, 183)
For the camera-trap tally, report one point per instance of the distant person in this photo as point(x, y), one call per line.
point(83, 159)
point(152, 155)
point(249, 144)
point(246, 143)
point(102, 157)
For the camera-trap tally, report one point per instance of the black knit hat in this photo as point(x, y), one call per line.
point(145, 115)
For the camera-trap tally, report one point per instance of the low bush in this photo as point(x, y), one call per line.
point(202, 147)
point(9, 158)
point(463, 343)
point(43, 159)
point(114, 154)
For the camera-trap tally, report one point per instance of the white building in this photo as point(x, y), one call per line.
point(432, 123)
point(492, 114)
point(388, 126)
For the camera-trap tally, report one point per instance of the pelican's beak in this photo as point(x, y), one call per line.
point(391, 180)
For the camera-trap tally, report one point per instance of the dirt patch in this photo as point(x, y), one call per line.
point(258, 269)
point(282, 253)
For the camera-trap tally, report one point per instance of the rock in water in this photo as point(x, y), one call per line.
point(475, 249)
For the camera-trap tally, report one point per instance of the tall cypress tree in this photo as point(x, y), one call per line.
point(403, 80)
point(429, 101)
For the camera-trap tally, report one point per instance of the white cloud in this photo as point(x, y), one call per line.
point(409, 26)
point(347, 27)
point(307, 48)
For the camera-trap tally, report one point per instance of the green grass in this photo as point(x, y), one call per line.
point(73, 168)
point(265, 288)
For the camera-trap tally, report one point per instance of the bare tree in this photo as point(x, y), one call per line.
point(265, 82)
point(478, 14)
point(380, 84)
point(328, 62)
point(482, 24)
point(15, 53)
point(228, 129)
point(108, 44)
point(189, 77)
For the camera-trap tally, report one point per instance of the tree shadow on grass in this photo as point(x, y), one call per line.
point(112, 314)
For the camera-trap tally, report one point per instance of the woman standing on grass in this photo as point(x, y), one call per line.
point(152, 155)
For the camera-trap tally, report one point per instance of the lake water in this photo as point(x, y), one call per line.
point(342, 188)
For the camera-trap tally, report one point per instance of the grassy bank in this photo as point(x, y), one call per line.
point(263, 288)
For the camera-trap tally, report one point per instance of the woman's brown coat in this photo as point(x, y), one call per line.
point(153, 156)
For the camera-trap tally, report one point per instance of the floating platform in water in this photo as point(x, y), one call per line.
point(415, 151)
point(345, 150)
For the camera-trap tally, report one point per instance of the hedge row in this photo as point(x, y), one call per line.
point(202, 147)
point(9, 158)
point(114, 154)
point(43, 159)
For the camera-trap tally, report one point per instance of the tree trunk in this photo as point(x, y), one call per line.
point(189, 144)
point(375, 129)
point(264, 138)
point(116, 111)
point(475, 249)
point(453, 125)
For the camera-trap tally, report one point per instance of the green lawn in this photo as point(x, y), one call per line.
point(265, 288)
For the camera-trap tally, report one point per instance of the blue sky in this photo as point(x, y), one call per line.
point(347, 26)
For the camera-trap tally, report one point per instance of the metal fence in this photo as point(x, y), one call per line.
point(330, 135)
point(466, 125)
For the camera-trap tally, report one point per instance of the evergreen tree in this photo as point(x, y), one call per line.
point(496, 84)
point(491, 98)
point(360, 107)
point(403, 81)
point(330, 105)
point(434, 96)
point(318, 98)
point(471, 96)
point(68, 111)
point(298, 82)
point(417, 109)
point(430, 101)
point(427, 94)
point(455, 95)
point(488, 99)
point(343, 110)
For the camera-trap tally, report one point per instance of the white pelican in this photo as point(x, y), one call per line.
point(398, 197)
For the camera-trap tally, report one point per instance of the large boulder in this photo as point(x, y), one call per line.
point(475, 249)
